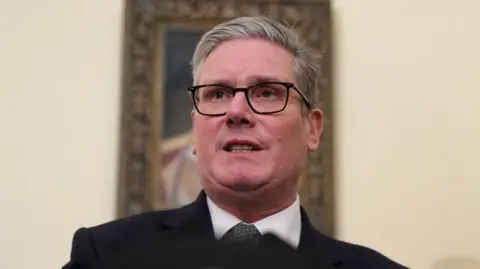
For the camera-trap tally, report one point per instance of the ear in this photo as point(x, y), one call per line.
point(314, 128)
point(193, 137)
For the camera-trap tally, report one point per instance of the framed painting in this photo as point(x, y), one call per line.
point(157, 169)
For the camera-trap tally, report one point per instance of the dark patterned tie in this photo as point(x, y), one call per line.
point(242, 232)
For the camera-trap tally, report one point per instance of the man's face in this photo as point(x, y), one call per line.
point(282, 139)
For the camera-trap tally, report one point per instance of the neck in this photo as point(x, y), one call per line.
point(252, 213)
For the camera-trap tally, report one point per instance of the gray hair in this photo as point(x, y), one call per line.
point(306, 68)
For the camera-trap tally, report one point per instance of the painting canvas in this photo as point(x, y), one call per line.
point(180, 181)
point(156, 167)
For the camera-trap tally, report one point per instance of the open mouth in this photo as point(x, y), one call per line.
point(241, 147)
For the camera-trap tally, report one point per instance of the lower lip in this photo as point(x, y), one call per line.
point(242, 152)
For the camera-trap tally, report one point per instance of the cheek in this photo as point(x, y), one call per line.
point(290, 140)
point(290, 132)
point(205, 132)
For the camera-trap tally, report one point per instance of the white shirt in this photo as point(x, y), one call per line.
point(285, 224)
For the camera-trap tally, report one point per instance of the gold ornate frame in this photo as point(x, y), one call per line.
point(138, 189)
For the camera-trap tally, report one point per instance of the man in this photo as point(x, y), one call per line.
point(253, 125)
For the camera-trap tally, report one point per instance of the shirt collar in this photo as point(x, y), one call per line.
point(285, 224)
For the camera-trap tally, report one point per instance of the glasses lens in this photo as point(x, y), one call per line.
point(213, 99)
point(268, 97)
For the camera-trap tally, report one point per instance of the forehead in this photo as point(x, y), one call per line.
point(246, 61)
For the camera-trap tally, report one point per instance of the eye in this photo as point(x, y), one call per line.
point(268, 91)
point(217, 94)
point(214, 93)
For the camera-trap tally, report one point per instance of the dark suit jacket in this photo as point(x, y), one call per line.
point(104, 244)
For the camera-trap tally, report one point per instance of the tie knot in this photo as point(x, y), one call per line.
point(242, 232)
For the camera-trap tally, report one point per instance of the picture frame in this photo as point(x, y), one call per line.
point(159, 39)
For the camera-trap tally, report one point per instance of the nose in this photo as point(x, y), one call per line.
point(238, 111)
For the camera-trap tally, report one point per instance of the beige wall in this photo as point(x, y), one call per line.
point(408, 120)
point(407, 127)
point(59, 102)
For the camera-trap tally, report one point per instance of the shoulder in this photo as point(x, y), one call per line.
point(128, 230)
point(127, 226)
point(372, 258)
point(105, 242)
point(364, 257)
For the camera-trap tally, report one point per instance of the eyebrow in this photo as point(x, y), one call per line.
point(251, 80)
point(259, 79)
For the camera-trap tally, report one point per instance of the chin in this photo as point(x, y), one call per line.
point(241, 180)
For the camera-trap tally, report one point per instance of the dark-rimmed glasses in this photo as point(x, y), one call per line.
point(263, 98)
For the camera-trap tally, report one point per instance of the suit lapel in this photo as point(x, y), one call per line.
point(323, 249)
point(191, 219)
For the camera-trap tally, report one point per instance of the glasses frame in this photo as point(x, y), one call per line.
point(245, 90)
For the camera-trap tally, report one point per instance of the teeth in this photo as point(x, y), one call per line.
point(240, 148)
